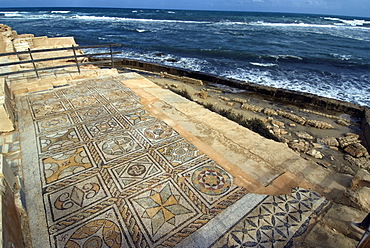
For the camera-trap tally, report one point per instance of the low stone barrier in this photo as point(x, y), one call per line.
point(7, 117)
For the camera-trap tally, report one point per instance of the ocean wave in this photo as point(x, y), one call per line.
point(108, 18)
point(10, 13)
point(346, 89)
point(354, 22)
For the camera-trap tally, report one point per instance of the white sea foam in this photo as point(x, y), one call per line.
point(140, 30)
point(263, 64)
point(60, 11)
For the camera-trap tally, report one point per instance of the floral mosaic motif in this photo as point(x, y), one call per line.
point(274, 222)
point(211, 180)
point(58, 140)
point(162, 209)
point(179, 152)
point(65, 164)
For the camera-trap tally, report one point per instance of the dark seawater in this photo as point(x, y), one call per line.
point(320, 54)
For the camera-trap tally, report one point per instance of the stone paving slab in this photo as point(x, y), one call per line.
point(101, 169)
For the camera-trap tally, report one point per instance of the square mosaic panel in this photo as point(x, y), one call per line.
point(125, 105)
point(58, 140)
point(113, 148)
point(93, 113)
point(103, 229)
point(138, 117)
point(53, 123)
point(179, 152)
point(65, 164)
point(135, 171)
point(76, 196)
point(162, 210)
point(157, 132)
point(104, 127)
point(210, 181)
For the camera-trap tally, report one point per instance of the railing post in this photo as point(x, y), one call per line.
point(78, 66)
point(111, 54)
point(33, 63)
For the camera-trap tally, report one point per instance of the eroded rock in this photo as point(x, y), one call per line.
point(360, 180)
point(348, 140)
point(319, 124)
point(300, 145)
point(356, 150)
point(329, 141)
point(315, 153)
point(304, 135)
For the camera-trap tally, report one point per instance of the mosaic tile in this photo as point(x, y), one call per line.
point(274, 222)
point(76, 91)
point(114, 176)
point(65, 164)
point(135, 171)
point(104, 127)
point(116, 147)
point(45, 110)
point(103, 230)
point(61, 139)
point(43, 98)
point(53, 123)
point(179, 152)
point(83, 101)
point(138, 117)
point(126, 105)
point(157, 132)
point(93, 112)
point(210, 181)
point(76, 196)
point(162, 210)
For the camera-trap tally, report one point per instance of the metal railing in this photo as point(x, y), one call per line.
point(74, 57)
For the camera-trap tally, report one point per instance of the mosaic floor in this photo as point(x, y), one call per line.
point(111, 175)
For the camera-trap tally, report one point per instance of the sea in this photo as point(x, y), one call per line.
point(325, 55)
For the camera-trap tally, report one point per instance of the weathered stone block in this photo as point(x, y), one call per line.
point(10, 224)
point(360, 180)
point(6, 172)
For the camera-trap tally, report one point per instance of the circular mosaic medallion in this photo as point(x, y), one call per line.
point(136, 170)
point(158, 132)
point(211, 180)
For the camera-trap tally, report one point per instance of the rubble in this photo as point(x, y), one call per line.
point(356, 150)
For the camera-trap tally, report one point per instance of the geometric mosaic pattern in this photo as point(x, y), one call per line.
point(275, 221)
point(112, 175)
